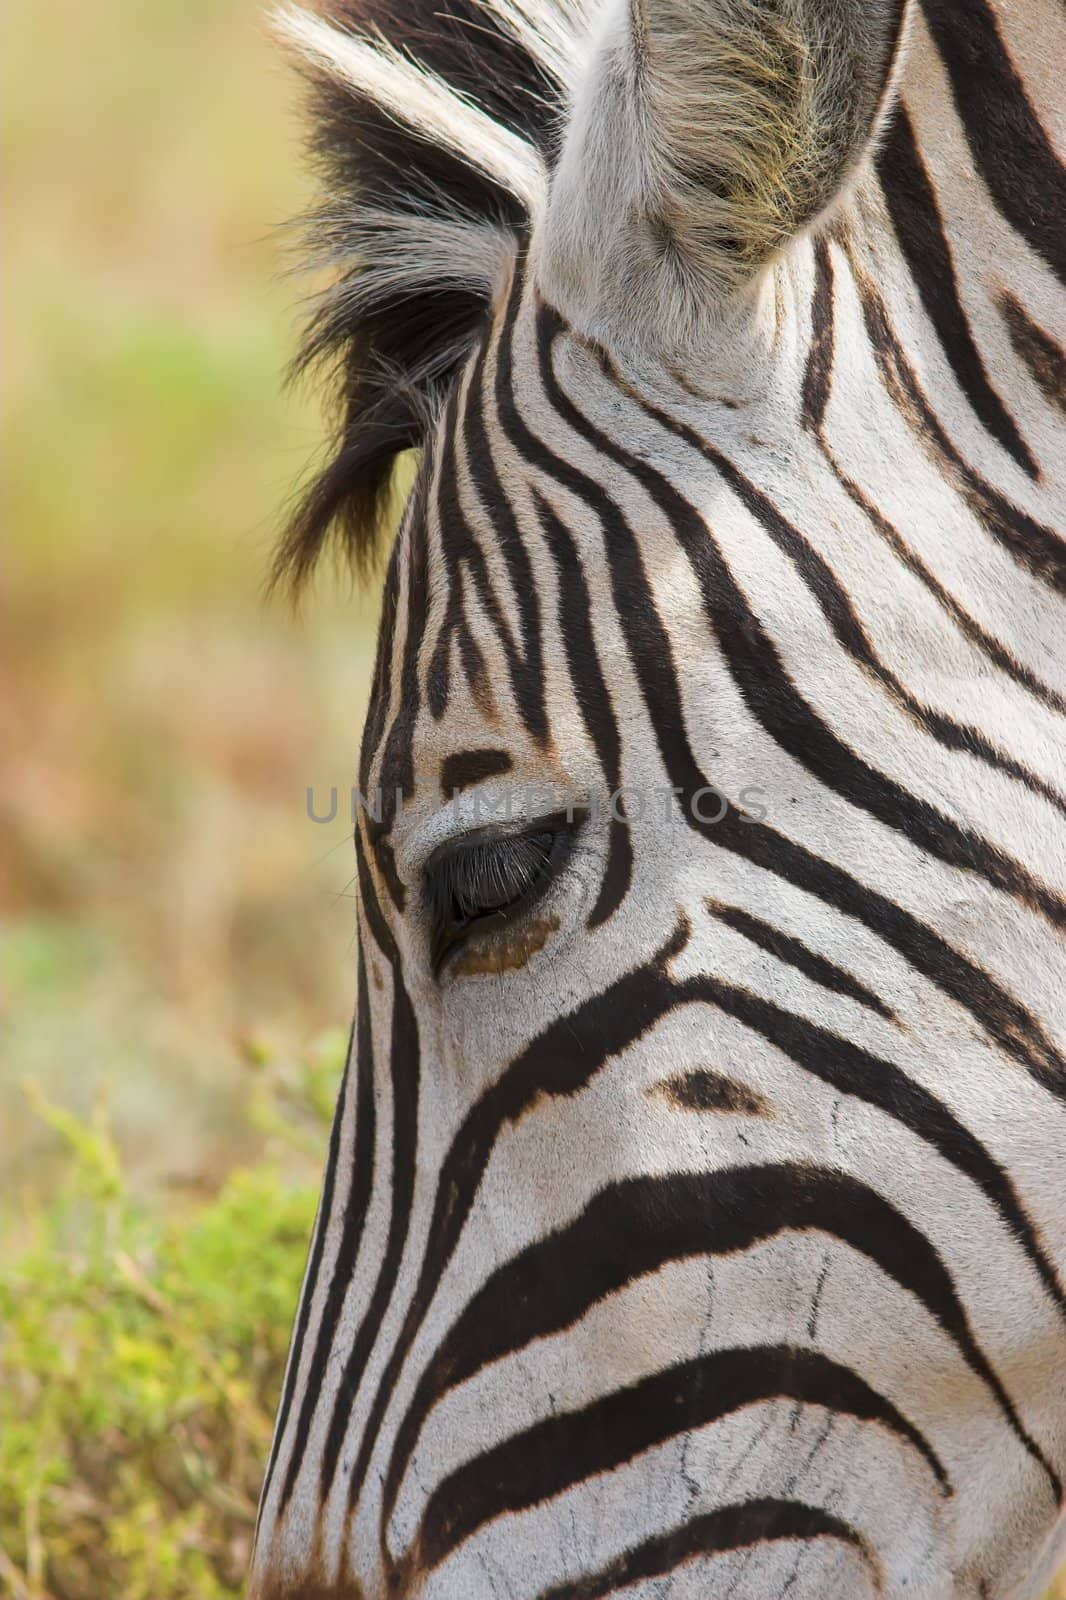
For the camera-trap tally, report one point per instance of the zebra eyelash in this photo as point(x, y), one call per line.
point(488, 879)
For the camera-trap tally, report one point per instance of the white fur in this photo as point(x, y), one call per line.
point(703, 136)
point(418, 99)
point(549, 29)
point(399, 254)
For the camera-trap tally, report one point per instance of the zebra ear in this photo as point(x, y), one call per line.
point(704, 136)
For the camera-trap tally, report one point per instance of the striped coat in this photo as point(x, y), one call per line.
point(694, 1222)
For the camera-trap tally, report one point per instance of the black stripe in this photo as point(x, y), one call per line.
point(378, 704)
point(1037, 549)
point(916, 218)
point(559, 1061)
point(593, 698)
point(465, 767)
point(796, 954)
point(356, 1205)
point(561, 1451)
point(314, 1266)
point(634, 1228)
point(707, 1089)
point(404, 1070)
point(818, 376)
point(756, 667)
point(408, 560)
point(1003, 1017)
point(733, 1527)
point(1010, 149)
point(568, 1054)
point(396, 770)
point(463, 553)
point(835, 603)
point(816, 388)
point(527, 674)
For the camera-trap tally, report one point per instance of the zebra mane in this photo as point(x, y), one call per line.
point(433, 126)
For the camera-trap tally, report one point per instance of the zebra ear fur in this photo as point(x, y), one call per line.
point(704, 137)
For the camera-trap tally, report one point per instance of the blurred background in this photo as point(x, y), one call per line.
point(178, 953)
point(167, 899)
point(179, 935)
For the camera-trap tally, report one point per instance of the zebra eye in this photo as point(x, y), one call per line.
point(487, 879)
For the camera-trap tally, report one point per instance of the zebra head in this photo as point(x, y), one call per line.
point(694, 1219)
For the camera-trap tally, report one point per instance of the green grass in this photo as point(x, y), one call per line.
point(140, 1361)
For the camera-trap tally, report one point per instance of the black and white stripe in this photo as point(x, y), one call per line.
point(694, 1220)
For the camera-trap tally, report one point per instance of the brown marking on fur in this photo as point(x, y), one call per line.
point(306, 1589)
point(311, 1584)
point(506, 951)
point(685, 383)
point(1045, 359)
point(706, 1090)
point(485, 701)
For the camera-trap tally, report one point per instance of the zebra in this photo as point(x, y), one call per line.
point(694, 1217)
